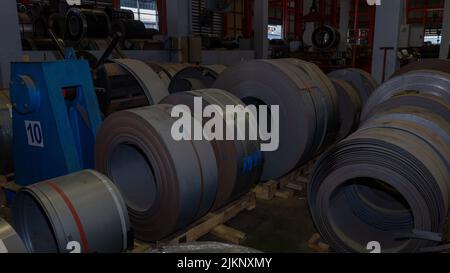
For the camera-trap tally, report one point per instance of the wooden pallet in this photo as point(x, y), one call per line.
point(212, 223)
point(287, 186)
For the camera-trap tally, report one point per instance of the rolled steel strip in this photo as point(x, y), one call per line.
point(425, 64)
point(83, 209)
point(131, 29)
point(325, 37)
point(86, 23)
point(195, 78)
point(421, 81)
point(270, 83)
point(167, 184)
point(350, 108)
point(429, 102)
point(10, 242)
point(362, 81)
point(236, 175)
point(395, 157)
point(328, 92)
point(150, 82)
point(6, 134)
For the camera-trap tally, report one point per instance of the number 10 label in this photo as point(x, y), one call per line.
point(34, 133)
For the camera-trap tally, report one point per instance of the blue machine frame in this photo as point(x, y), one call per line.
point(55, 119)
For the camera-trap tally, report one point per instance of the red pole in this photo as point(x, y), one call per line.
point(162, 15)
point(248, 18)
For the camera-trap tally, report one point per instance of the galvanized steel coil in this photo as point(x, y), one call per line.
point(82, 209)
point(304, 110)
point(86, 23)
point(6, 134)
point(420, 81)
point(388, 182)
point(362, 81)
point(10, 242)
point(239, 162)
point(195, 78)
point(425, 64)
point(166, 184)
point(350, 108)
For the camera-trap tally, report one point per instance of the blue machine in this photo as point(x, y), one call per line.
point(55, 119)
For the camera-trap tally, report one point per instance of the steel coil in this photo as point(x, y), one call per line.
point(167, 184)
point(236, 175)
point(126, 84)
point(304, 110)
point(425, 64)
point(10, 242)
point(195, 78)
point(6, 134)
point(86, 23)
point(350, 108)
point(421, 81)
point(326, 37)
point(130, 29)
point(85, 208)
point(362, 81)
point(388, 179)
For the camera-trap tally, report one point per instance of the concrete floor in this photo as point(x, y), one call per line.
point(275, 226)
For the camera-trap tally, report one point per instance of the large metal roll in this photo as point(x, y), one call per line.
point(10, 242)
point(350, 108)
point(195, 78)
point(235, 174)
point(166, 71)
point(420, 81)
point(128, 83)
point(388, 182)
point(6, 134)
point(325, 37)
point(86, 23)
point(362, 81)
point(130, 29)
point(167, 184)
point(425, 64)
point(328, 94)
point(82, 209)
point(303, 108)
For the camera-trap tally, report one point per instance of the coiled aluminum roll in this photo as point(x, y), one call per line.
point(239, 163)
point(425, 64)
point(10, 242)
point(6, 134)
point(362, 81)
point(390, 178)
point(166, 184)
point(306, 109)
point(84, 207)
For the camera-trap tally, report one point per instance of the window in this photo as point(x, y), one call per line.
point(433, 36)
point(144, 10)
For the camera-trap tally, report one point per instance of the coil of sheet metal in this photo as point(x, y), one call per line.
point(127, 83)
point(10, 242)
point(388, 182)
point(131, 29)
point(425, 64)
point(349, 108)
point(83, 209)
point(325, 37)
point(86, 23)
point(362, 81)
point(6, 134)
point(167, 184)
point(421, 81)
point(239, 162)
point(195, 78)
point(304, 111)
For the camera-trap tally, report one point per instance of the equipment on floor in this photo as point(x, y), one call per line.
point(55, 119)
point(78, 213)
